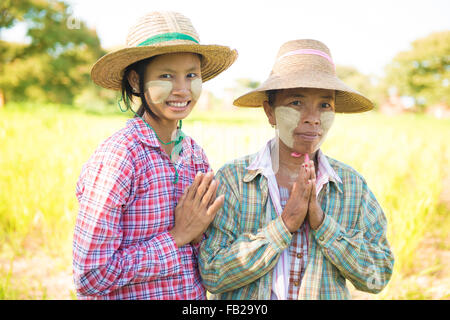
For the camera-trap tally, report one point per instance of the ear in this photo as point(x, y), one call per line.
point(269, 113)
point(133, 79)
point(334, 99)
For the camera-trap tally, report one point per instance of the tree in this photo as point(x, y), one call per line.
point(11, 13)
point(365, 84)
point(55, 65)
point(423, 72)
point(247, 83)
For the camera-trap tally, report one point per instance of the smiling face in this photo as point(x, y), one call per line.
point(173, 85)
point(303, 117)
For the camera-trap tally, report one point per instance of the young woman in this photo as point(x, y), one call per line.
point(147, 194)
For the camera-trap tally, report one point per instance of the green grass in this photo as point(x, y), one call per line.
point(42, 151)
point(6, 289)
point(42, 148)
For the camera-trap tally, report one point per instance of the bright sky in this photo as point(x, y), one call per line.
point(364, 34)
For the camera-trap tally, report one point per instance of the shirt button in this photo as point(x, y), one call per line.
point(296, 283)
point(321, 238)
point(299, 255)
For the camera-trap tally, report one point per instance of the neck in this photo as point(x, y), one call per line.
point(287, 161)
point(164, 129)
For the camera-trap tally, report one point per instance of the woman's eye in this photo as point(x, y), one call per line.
point(326, 105)
point(165, 76)
point(191, 75)
point(296, 103)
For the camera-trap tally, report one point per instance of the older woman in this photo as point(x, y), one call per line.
point(295, 223)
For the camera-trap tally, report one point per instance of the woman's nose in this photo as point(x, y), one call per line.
point(181, 86)
point(311, 117)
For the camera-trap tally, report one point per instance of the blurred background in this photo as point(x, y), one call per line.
point(52, 117)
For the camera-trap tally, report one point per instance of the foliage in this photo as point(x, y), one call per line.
point(242, 85)
point(247, 83)
point(368, 86)
point(55, 65)
point(423, 72)
point(11, 12)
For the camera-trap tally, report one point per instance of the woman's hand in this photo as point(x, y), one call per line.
point(296, 208)
point(315, 213)
point(196, 209)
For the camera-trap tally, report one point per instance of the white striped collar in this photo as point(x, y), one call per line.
point(262, 163)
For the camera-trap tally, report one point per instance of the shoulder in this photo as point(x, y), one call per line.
point(111, 169)
point(118, 146)
point(194, 146)
point(117, 151)
point(236, 169)
point(355, 187)
point(350, 177)
point(231, 177)
point(342, 168)
point(196, 155)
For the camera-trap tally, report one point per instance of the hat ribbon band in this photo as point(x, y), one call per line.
point(308, 51)
point(166, 37)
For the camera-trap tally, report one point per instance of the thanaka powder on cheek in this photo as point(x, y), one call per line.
point(326, 121)
point(287, 120)
point(196, 89)
point(159, 90)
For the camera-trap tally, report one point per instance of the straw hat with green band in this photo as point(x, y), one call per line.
point(306, 64)
point(159, 33)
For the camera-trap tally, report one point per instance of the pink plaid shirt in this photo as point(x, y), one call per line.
point(121, 247)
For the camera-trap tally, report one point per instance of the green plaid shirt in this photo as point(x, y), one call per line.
point(238, 256)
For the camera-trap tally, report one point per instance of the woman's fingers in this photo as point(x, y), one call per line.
point(193, 187)
point(210, 193)
point(217, 204)
point(313, 169)
point(302, 179)
point(213, 190)
point(312, 198)
point(214, 194)
point(183, 196)
point(202, 191)
point(312, 181)
point(203, 188)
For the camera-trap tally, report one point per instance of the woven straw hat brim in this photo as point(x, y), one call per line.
point(108, 70)
point(347, 99)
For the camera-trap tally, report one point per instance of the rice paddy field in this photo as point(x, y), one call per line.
point(405, 160)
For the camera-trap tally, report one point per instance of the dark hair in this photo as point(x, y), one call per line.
point(127, 91)
point(271, 97)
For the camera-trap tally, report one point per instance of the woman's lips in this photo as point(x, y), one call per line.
point(308, 136)
point(178, 105)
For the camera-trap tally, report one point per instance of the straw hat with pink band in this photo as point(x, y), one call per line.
point(159, 33)
point(306, 64)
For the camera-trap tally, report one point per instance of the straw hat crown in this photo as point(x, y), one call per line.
point(306, 63)
point(160, 23)
point(286, 63)
point(159, 33)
